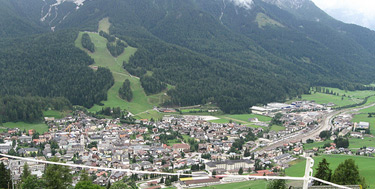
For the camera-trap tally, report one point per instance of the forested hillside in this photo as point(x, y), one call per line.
point(49, 65)
point(211, 51)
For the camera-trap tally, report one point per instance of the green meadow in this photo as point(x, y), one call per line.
point(351, 97)
point(244, 120)
point(363, 117)
point(55, 114)
point(39, 127)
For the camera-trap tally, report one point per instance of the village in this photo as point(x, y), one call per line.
point(179, 144)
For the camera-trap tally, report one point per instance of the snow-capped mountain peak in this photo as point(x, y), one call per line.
point(243, 3)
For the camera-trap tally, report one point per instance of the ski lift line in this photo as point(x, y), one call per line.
point(174, 174)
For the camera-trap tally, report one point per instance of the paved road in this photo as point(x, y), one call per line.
point(305, 134)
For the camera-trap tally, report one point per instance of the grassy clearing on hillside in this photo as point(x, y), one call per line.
point(261, 184)
point(104, 25)
point(141, 102)
point(366, 166)
point(39, 127)
point(263, 21)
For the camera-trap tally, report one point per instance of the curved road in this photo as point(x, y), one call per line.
point(305, 134)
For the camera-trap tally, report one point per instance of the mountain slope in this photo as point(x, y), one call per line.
point(234, 54)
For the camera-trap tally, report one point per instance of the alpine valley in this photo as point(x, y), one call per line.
point(231, 53)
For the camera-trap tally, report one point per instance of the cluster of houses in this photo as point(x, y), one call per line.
point(174, 144)
point(81, 139)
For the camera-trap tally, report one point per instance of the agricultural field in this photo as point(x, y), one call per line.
point(315, 145)
point(259, 184)
point(354, 94)
point(364, 118)
point(366, 166)
point(149, 114)
point(240, 118)
point(55, 114)
point(351, 97)
point(244, 120)
point(356, 143)
point(39, 127)
point(141, 102)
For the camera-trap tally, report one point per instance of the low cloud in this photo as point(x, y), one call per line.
point(361, 12)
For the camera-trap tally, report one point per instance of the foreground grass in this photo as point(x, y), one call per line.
point(261, 184)
point(39, 127)
point(141, 102)
point(366, 166)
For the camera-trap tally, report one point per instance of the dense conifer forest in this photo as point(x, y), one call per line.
point(29, 109)
point(49, 65)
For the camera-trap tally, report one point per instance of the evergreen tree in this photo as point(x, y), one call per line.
point(84, 176)
point(32, 182)
point(277, 184)
point(87, 185)
point(347, 173)
point(323, 172)
point(5, 177)
point(26, 172)
point(57, 176)
point(240, 172)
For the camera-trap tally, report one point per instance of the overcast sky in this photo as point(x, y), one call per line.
point(361, 12)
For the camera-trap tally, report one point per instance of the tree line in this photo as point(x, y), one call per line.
point(30, 108)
